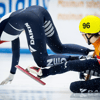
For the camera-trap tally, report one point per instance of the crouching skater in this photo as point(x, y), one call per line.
point(40, 31)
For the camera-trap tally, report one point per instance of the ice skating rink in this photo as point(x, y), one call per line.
point(25, 88)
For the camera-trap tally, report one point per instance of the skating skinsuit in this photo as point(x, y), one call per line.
point(97, 49)
point(39, 30)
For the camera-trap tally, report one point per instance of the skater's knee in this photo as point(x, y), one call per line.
point(75, 87)
point(56, 50)
point(41, 62)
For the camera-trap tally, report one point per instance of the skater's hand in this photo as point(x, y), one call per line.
point(91, 54)
point(8, 79)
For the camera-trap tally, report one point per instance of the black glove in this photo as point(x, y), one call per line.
point(81, 75)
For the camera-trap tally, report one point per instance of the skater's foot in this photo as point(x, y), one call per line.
point(34, 70)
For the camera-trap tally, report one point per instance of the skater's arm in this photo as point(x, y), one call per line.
point(15, 55)
point(15, 60)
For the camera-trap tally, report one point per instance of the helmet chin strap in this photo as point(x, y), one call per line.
point(89, 38)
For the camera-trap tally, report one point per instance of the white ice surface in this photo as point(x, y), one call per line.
point(25, 88)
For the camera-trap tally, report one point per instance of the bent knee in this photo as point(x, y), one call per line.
point(75, 87)
point(41, 62)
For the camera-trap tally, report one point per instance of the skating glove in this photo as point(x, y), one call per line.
point(91, 54)
point(8, 79)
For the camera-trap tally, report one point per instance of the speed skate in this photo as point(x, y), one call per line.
point(30, 75)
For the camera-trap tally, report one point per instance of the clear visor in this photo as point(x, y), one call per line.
point(87, 33)
point(82, 33)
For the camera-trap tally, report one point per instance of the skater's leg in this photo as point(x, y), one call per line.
point(90, 66)
point(90, 86)
point(37, 43)
point(54, 42)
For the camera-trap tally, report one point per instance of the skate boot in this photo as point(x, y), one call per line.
point(34, 70)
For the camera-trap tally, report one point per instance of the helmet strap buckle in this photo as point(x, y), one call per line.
point(89, 38)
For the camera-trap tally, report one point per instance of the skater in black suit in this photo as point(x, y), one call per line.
point(40, 30)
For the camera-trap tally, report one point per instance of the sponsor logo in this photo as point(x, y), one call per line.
point(32, 42)
point(7, 6)
point(55, 61)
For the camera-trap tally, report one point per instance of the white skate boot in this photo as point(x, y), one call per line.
point(34, 70)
